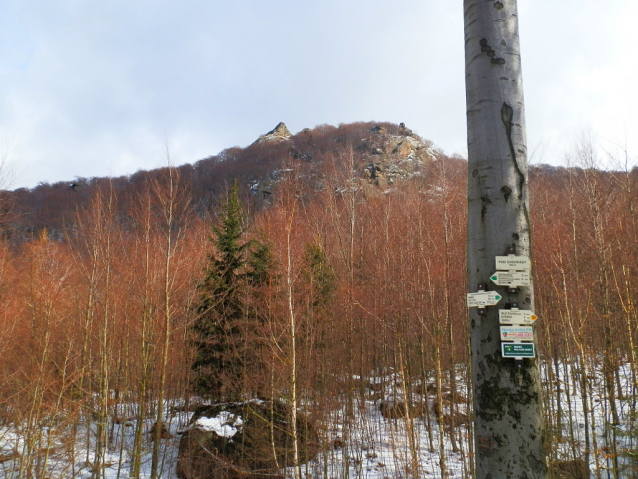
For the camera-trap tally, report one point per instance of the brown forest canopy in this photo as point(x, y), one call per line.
point(55, 205)
point(98, 282)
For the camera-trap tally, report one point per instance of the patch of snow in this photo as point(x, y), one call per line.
point(431, 154)
point(224, 425)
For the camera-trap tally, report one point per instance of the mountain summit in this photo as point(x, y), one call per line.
point(279, 133)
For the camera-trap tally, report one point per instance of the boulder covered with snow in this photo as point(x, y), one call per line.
point(248, 439)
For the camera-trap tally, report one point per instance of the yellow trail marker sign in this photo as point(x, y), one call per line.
point(516, 316)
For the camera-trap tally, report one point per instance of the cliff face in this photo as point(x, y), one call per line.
point(396, 156)
point(379, 154)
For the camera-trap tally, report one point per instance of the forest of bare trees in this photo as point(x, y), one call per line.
point(97, 324)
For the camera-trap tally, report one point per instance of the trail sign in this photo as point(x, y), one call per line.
point(516, 316)
point(517, 333)
point(511, 278)
point(483, 298)
point(518, 350)
point(513, 263)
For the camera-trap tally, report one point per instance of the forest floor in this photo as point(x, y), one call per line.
point(362, 444)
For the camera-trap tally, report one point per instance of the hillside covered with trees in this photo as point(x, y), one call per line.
point(325, 270)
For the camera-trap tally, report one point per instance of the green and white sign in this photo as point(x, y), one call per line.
point(483, 298)
point(511, 278)
point(518, 350)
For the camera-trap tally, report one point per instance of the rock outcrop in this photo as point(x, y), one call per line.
point(240, 440)
point(393, 157)
point(382, 155)
point(279, 133)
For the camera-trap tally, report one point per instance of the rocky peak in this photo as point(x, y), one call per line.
point(279, 133)
point(392, 157)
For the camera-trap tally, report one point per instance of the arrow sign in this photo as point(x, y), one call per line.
point(513, 263)
point(518, 350)
point(516, 316)
point(483, 298)
point(511, 278)
point(517, 333)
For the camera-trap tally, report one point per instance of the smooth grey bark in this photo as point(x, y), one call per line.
point(509, 428)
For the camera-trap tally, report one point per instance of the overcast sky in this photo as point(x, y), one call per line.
point(96, 88)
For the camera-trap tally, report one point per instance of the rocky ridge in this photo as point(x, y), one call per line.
point(374, 157)
point(382, 155)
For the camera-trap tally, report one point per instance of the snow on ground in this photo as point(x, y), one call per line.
point(358, 441)
point(375, 448)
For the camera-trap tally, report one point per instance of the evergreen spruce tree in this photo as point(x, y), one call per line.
point(320, 277)
point(224, 311)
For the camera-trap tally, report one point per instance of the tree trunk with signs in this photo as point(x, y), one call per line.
point(507, 404)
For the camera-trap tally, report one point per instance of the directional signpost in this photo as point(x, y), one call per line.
point(483, 298)
point(514, 271)
point(516, 316)
point(511, 278)
point(517, 334)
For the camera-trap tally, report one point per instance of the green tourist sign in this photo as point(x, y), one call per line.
point(518, 350)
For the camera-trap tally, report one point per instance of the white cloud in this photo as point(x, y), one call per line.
point(95, 88)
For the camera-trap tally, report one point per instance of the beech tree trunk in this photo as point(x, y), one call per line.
point(507, 404)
